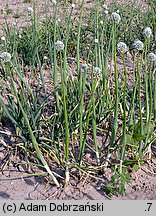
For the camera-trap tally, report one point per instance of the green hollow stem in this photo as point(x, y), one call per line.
point(94, 121)
point(64, 95)
point(35, 52)
point(81, 89)
point(94, 83)
point(146, 82)
point(63, 68)
point(104, 64)
point(88, 116)
point(132, 110)
point(115, 124)
point(54, 66)
point(115, 121)
point(150, 80)
point(140, 108)
point(81, 110)
point(98, 58)
point(123, 141)
point(154, 98)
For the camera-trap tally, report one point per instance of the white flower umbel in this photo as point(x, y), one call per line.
point(97, 71)
point(3, 38)
point(147, 32)
point(115, 17)
point(30, 10)
point(59, 45)
point(138, 45)
point(151, 57)
point(122, 47)
point(5, 56)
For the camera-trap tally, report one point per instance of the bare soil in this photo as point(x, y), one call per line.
point(16, 183)
point(16, 10)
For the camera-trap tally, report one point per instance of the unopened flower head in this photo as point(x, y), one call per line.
point(106, 12)
point(73, 5)
point(59, 45)
point(122, 47)
point(30, 10)
point(3, 38)
point(84, 67)
point(14, 24)
point(147, 32)
point(105, 6)
point(45, 58)
point(115, 18)
point(151, 57)
point(138, 45)
point(5, 56)
point(96, 40)
point(97, 71)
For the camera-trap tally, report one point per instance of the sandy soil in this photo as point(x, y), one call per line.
point(17, 9)
point(15, 184)
point(18, 185)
